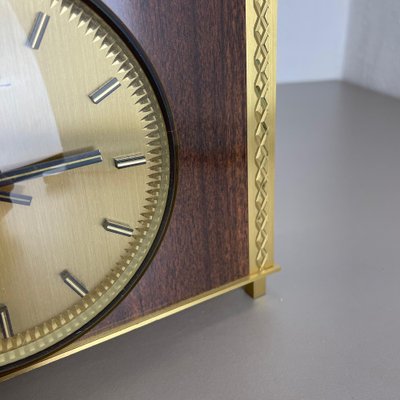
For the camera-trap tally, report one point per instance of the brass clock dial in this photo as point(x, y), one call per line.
point(87, 171)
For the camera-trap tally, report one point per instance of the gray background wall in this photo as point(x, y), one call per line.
point(312, 39)
point(353, 40)
point(372, 58)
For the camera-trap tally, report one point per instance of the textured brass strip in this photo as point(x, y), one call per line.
point(261, 18)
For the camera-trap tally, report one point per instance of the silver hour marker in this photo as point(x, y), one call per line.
point(105, 90)
point(129, 161)
point(5, 322)
point(74, 284)
point(117, 227)
point(39, 29)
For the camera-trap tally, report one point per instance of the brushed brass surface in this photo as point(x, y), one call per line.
point(261, 107)
point(62, 229)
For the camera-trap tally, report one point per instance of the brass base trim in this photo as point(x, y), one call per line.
point(84, 344)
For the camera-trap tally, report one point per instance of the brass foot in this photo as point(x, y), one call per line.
point(257, 289)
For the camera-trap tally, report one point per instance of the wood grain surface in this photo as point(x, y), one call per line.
point(198, 49)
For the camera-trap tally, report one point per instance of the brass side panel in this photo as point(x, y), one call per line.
point(261, 28)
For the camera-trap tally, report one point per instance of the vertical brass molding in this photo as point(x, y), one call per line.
point(261, 19)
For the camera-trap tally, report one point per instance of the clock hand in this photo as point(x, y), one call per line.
point(50, 167)
point(15, 198)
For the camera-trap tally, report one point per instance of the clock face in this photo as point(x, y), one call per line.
point(86, 161)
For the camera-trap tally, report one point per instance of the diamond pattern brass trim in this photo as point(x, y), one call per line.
point(261, 46)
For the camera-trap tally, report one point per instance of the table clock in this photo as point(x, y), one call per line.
point(136, 165)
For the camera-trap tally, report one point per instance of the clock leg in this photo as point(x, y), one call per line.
point(257, 289)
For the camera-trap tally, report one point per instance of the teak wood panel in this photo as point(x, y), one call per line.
point(198, 49)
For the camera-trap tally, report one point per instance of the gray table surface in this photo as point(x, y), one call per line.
point(330, 325)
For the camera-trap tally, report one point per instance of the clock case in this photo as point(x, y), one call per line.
point(216, 60)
